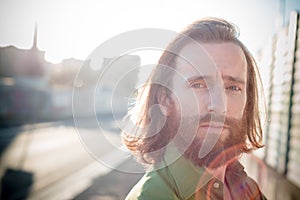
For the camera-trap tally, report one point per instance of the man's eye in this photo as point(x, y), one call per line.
point(234, 88)
point(197, 85)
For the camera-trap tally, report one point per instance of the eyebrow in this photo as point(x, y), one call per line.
point(234, 79)
point(227, 77)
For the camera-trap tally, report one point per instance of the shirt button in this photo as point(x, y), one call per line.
point(216, 185)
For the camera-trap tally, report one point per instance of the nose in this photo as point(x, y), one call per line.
point(218, 101)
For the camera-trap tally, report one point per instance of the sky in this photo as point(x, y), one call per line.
point(75, 28)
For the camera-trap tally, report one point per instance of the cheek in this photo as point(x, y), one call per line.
point(236, 106)
point(195, 104)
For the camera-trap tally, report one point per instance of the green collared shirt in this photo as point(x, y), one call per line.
point(177, 178)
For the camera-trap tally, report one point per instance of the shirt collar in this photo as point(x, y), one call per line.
point(188, 177)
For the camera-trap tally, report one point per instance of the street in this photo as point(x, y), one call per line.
point(62, 160)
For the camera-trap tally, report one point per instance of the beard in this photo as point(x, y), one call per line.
point(210, 147)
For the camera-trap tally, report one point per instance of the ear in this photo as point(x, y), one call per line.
point(164, 101)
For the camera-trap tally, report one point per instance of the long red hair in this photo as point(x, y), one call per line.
point(148, 147)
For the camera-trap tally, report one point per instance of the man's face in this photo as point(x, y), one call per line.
point(210, 93)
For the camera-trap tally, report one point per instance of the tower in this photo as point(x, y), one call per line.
point(34, 44)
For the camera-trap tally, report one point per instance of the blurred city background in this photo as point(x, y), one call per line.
point(60, 126)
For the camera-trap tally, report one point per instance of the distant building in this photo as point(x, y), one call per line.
point(15, 62)
point(113, 85)
point(33, 89)
point(120, 73)
point(24, 87)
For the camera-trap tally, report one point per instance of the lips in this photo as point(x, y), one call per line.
point(213, 125)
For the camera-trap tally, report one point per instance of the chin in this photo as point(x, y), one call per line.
point(218, 157)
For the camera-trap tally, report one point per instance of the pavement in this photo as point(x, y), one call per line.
point(96, 181)
point(114, 185)
point(62, 161)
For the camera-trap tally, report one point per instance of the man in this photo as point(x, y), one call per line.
point(197, 113)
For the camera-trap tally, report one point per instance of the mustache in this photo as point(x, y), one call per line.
point(214, 118)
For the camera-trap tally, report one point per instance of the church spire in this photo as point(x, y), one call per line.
point(34, 45)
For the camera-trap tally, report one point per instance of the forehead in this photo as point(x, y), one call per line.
point(209, 59)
